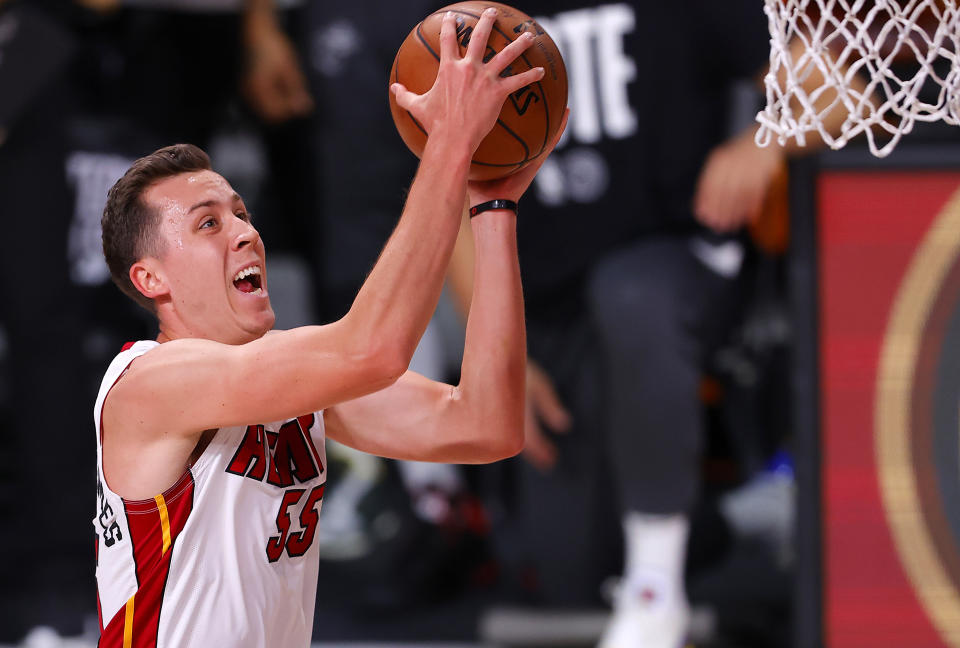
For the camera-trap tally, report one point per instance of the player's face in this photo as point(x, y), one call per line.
point(211, 259)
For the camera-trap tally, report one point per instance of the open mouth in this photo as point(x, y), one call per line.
point(248, 280)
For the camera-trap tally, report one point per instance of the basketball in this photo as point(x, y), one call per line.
point(530, 116)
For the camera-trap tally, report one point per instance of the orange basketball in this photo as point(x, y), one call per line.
point(529, 118)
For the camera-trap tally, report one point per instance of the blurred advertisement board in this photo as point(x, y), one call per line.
point(889, 267)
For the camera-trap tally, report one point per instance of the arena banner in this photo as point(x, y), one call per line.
point(889, 249)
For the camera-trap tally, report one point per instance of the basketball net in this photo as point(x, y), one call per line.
point(844, 67)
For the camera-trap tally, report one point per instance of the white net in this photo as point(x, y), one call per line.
point(844, 67)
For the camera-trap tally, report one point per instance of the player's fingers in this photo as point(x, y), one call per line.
point(448, 38)
point(403, 96)
point(509, 54)
point(513, 83)
point(481, 35)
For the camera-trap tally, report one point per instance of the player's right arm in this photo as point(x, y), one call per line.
point(186, 386)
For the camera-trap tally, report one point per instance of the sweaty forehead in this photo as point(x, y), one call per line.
point(174, 196)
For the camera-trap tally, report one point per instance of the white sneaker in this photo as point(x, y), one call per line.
point(644, 617)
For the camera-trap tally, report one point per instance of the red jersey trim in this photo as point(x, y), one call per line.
point(154, 526)
point(307, 422)
point(96, 553)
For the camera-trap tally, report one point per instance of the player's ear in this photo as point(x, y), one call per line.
point(146, 278)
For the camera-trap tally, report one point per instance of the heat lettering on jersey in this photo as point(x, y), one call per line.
point(284, 458)
point(281, 458)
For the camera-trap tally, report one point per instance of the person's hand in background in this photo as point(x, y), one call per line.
point(544, 412)
point(273, 82)
point(734, 182)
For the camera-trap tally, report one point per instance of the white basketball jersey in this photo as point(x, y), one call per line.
point(224, 557)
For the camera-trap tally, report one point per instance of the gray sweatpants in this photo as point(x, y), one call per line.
point(629, 371)
point(655, 309)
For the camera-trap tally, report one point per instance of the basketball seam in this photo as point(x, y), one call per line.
point(423, 40)
point(396, 78)
point(526, 149)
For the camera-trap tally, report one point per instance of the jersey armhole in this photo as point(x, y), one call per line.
point(116, 380)
point(103, 406)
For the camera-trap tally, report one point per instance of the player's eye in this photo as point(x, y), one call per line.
point(207, 223)
point(244, 215)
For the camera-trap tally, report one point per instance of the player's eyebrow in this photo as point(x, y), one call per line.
point(210, 203)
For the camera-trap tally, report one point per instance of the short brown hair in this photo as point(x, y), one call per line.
point(129, 224)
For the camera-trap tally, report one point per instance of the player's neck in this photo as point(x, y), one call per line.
point(177, 330)
point(172, 328)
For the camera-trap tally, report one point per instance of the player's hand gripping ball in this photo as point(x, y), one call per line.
point(530, 116)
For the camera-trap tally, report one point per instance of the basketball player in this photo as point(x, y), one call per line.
point(210, 439)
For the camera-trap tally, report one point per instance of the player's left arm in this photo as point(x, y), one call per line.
point(481, 419)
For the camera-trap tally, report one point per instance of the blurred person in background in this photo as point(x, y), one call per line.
point(631, 250)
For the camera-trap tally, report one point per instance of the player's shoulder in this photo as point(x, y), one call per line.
point(119, 367)
point(149, 367)
point(148, 359)
point(128, 353)
point(137, 348)
point(188, 353)
point(150, 376)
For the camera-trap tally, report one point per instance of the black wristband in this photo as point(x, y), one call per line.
point(493, 204)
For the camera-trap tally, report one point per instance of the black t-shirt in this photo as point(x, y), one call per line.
point(366, 168)
point(649, 83)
